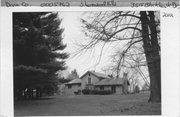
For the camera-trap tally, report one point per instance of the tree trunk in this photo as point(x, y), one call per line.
point(40, 92)
point(152, 55)
point(30, 93)
point(156, 55)
point(37, 93)
point(20, 94)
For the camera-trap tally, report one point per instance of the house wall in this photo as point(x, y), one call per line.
point(105, 88)
point(118, 89)
point(74, 88)
point(94, 80)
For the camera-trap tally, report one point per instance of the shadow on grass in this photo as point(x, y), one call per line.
point(44, 98)
point(34, 99)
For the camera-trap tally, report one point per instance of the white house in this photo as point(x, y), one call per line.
point(90, 78)
point(97, 81)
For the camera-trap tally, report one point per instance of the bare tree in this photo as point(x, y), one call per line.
point(128, 28)
point(134, 60)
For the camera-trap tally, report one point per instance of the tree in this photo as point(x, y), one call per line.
point(137, 90)
point(37, 53)
point(129, 28)
point(134, 61)
point(152, 52)
point(73, 75)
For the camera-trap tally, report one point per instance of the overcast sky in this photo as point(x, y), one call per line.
point(72, 35)
point(85, 61)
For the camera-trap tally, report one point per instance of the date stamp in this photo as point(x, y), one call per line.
point(165, 14)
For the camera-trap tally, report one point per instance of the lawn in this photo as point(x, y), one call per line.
point(74, 105)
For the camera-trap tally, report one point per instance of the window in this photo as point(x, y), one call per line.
point(69, 86)
point(113, 89)
point(89, 80)
point(79, 85)
point(102, 88)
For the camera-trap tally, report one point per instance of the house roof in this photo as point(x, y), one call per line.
point(112, 81)
point(75, 81)
point(97, 74)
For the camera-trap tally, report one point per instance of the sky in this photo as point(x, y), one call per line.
point(72, 35)
point(84, 61)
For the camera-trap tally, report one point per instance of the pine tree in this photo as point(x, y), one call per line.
point(73, 75)
point(37, 53)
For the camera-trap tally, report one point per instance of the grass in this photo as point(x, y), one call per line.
point(74, 105)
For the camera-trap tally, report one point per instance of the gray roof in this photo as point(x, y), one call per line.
point(97, 74)
point(112, 81)
point(75, 81)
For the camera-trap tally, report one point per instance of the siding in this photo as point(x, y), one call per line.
point(74, 88)
point(94, 80)
point(118, 89)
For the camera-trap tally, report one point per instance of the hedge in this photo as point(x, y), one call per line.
point(96, 92)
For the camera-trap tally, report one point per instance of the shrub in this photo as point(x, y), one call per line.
point(137, 90)
point(86, 91)
point(77, 92)
point(96, 92)
point(105, 92)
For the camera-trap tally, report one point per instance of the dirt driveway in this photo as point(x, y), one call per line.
point(132, 104)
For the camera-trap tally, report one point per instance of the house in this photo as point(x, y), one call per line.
point(97, 81)
point(116, 85)
point(90, 78)
point(74, 86)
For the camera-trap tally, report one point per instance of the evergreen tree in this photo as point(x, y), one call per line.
point(73, 75)
point(37, 52)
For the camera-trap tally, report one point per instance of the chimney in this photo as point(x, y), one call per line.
point(125, 75)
